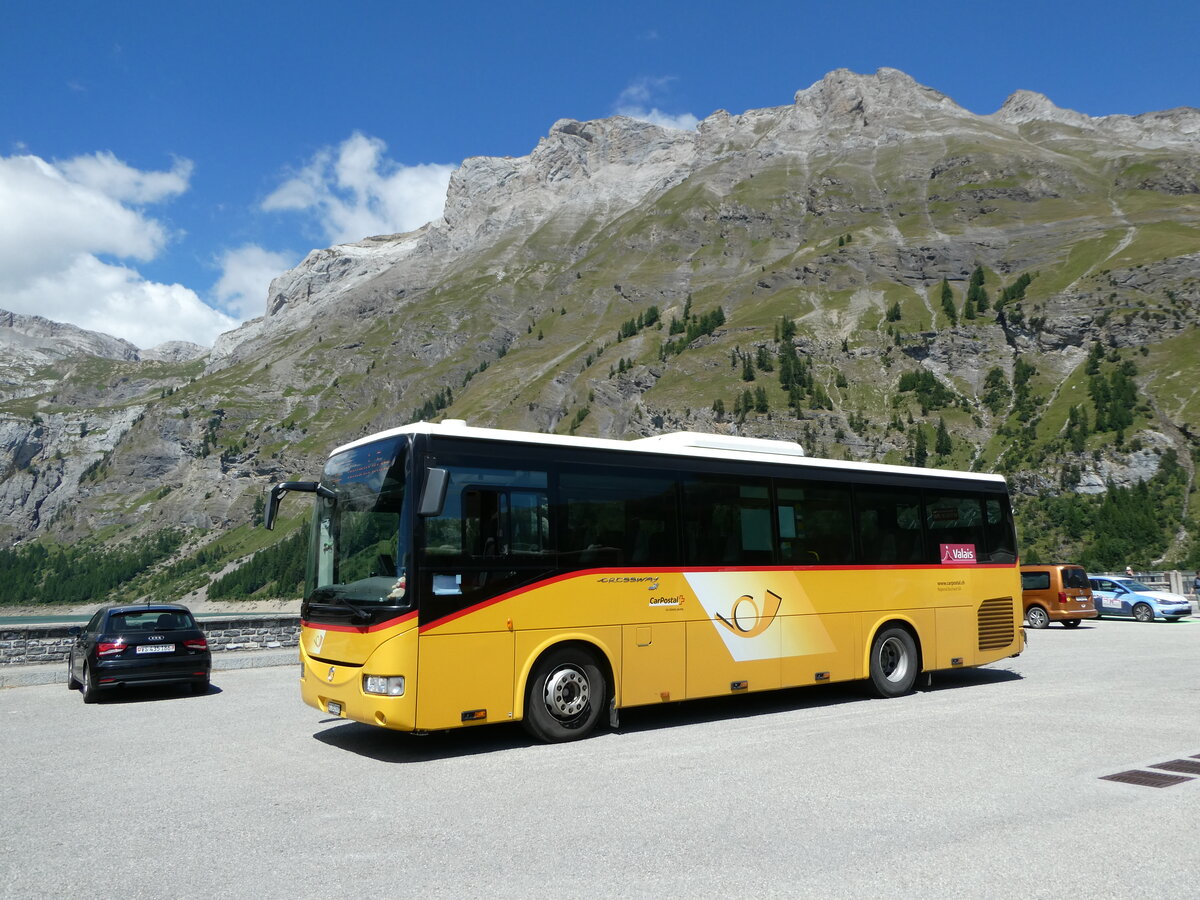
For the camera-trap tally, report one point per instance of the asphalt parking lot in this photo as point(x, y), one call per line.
point(990, 784)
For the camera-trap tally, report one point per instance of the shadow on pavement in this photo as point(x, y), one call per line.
point(152, 693)
point(398, 747)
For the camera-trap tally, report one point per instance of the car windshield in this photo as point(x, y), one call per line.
point(359, 548)
point(1135, 585)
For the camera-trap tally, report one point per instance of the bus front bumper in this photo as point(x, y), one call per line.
point(341, 690)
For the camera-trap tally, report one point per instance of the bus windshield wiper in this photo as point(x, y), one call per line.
point(336, 597)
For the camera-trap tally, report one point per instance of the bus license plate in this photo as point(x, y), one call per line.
point(156, 648)
point(335, 708)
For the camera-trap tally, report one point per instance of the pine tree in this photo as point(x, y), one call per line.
point(942, 443)
point(995, 390)
point(919, 452)
point(747, 368)
point(948, 302)
point(981, 299)
point(762, 359)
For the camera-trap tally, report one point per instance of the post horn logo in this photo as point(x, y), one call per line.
point(746, 619)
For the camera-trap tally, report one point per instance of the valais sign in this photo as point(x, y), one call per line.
point(958, 554)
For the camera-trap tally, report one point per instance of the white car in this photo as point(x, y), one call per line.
point(1119, 595)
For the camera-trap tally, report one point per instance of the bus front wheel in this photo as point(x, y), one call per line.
point(566, 695)
point(893, 662)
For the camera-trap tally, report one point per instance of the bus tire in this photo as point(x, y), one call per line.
point(894, 662)
point(566, 694)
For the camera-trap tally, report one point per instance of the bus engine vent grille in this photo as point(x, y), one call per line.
point(997, 623)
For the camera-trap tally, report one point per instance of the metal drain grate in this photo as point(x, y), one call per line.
point(1146, 779)
point(1188, 766)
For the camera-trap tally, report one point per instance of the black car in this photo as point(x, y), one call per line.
point(135, 645)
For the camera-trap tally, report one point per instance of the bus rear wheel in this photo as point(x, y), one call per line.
point(567, 692)
point(893, 662)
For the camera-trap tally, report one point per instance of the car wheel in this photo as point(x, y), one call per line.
point(1143, 613)
point(567, 692)
point(200, 687)
point(91, 693)
point(893, 662)
point(1070, 623)
point(72, 684)
point(1037, 617)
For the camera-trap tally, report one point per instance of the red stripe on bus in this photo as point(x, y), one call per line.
point(584, 573)
point(360, 629)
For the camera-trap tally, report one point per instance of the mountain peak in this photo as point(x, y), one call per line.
point(1030, 106)
point(39, 340)
point(843, 94)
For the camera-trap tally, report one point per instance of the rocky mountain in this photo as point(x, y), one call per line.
point(872, 270)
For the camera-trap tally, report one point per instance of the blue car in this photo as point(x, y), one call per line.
point(1121, 596)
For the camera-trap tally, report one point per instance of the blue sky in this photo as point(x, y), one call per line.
point(160, 162)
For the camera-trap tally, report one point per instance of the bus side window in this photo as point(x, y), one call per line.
point(728, 522)
point(492, 524)
point(618, 519)
point(815, 524)
point(506, 523)
point(998, 527)
point(529, 522)
point(485, 522)
point(955, 518)
point(889, 525)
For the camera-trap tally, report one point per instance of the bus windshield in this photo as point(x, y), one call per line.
point(359, 550)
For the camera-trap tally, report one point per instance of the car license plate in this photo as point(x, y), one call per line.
point(335, 708)
point(156, 648)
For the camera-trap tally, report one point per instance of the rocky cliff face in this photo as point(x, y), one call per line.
point(843, 214)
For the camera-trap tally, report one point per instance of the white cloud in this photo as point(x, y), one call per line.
point(118, 301)
point(637, 99)
point(56, 220)
point(105, 173)
point(246, 273)
point(47, 219)
point(357, 192)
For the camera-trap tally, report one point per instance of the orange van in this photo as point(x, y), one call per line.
point(1056, 594)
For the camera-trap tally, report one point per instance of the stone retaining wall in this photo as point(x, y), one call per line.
point(22, 645)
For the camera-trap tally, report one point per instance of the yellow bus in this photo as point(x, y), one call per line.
point(461, 575)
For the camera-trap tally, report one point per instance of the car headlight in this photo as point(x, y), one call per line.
point(387, 685)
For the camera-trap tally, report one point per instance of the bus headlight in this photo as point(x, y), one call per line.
point(388, 685)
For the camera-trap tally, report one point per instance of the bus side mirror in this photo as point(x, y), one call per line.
point(277, 491)
point(272, 507)
point(434, 493)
